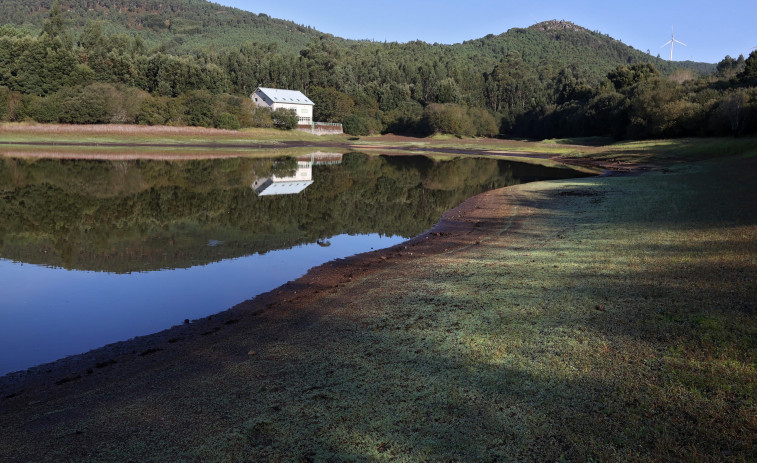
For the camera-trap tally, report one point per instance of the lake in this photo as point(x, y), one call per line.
point(94, 252)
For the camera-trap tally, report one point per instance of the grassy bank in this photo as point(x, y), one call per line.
point(51, 138)
point(128, 141)
point(611, 319)
point(114, 133)
point(617, 325)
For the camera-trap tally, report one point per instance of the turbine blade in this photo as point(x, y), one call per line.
point(665, 44)
point(681, 43)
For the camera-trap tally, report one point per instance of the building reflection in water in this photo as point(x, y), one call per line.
point(302, 178)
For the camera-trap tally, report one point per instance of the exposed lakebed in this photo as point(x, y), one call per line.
point(93, 252)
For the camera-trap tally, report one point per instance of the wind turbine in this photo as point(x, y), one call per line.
point(672, 41)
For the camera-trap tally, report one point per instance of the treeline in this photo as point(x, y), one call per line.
point(413, 88)
point(637, 102)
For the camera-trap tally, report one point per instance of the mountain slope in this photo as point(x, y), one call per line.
point(179, 25)
point(562, 43)
point(187, 26)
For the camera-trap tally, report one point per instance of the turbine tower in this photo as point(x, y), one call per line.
point(672, 41)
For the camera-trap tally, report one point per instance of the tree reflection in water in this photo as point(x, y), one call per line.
point(155, 242)
point(146, 215)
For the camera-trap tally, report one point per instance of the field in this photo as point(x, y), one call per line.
point(611, 319)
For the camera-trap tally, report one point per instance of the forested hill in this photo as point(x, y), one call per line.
point(562, 43)
point(189, 26)
point(191, 62)
point(178, 26)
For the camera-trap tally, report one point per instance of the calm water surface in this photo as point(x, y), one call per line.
point(94, 252)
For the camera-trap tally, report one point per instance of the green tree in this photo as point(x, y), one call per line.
point(729, 67)
point(448, 91)
point(153, 111)
point(84, 106)
point(450, 119)
point(227, 121)
point(331, 105)
point(732, 108)
point(749, 75)
point(624, 77)
point(40, 109)
point(5, 95)
point(355, 124)
point(511, 85)
point(199, 106)
point(54, 27)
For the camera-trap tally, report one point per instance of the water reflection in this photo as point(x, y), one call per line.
point(129, 228)
point(49, 312)
point(299, 180)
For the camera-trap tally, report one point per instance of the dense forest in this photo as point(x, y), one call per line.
point(191, 62)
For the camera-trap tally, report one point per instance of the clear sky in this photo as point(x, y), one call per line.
point(711, 29)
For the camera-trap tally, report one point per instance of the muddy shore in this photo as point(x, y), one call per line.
point(475, 219)
point(53, 396)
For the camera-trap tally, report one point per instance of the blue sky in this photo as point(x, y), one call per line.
point(710, 29)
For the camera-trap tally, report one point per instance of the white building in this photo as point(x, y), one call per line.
point(275, 98)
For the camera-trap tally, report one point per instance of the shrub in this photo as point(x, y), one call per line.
point(484, 124)
point(84, 106)
point(261, 117)
point(153, 111)
point(242, 109)
point(406, 118)
point(40, 109)
point(450, 119)
point(5, 95)
point(10, 104)
point(123, 102)
point(227, 121)
point(360, 125)
point(199, 108)
point(285, 119)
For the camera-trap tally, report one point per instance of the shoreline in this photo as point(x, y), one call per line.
point(457, 228)
point(568, 310)
point(460, 227)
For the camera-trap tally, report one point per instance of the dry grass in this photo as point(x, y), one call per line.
point(110, 129)
point(161, 154)
point(127, 133)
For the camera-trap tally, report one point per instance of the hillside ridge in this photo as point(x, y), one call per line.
point(186, 26)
